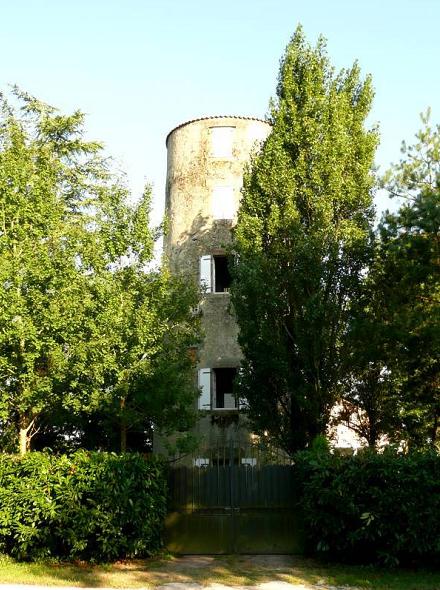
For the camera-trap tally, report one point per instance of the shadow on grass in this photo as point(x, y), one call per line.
point(205, 570)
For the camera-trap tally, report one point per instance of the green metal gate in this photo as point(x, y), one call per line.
point(231, 507)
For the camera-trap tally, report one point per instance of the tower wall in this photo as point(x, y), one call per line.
point(205, 163)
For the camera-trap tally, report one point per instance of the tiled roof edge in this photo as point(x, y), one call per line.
point(214, 117)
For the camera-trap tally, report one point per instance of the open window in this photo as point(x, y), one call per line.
point(217, 389)
point(215, 276)
point(224, 398)
point(222, 276)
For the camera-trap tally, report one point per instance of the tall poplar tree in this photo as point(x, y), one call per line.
point(300, 243)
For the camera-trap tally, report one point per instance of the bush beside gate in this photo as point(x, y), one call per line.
point(97, 506)
point(372, 507)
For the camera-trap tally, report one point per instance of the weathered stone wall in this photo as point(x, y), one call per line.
point(191, 176)
point(192, 232)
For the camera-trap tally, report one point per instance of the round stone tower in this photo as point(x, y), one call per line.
point(206, 158)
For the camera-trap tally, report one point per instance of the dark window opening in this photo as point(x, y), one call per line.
point(221, 274)
point(224, 388)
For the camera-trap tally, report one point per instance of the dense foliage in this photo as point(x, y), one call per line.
point(394, 359)
point(301, 244)
point(85, 328)
point(372, 507)
point(410, 256)
point(85, 506)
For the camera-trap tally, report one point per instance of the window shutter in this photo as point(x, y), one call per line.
point(223, 202)
point(205, 386)
point(250, 461)
point(221, 141)
point(242, 403)
point(206, 273)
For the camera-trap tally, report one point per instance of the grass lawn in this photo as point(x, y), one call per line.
point(228, 570)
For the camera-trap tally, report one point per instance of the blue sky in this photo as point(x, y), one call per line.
point(140, 67)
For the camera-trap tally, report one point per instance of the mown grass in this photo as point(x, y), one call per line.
point(228, 570)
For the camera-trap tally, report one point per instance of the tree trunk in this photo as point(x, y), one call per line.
point(24, 439)
point(435, 428)
point(123, 426)
point(123, 436)
point(372, 438)
point(372, 432)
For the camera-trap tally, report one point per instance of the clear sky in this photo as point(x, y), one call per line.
point(138, 68)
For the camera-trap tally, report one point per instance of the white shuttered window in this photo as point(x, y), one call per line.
point(205, 386)
point(223, 203)
point(214, 274)
point(206, 273)
point(221, 141)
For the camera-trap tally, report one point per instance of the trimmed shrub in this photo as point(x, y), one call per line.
point(372, 508)
point(96, 506)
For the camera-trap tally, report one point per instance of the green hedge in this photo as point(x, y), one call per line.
point(97, 506)
point(372, 508)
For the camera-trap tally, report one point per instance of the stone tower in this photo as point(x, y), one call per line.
point(206, 158)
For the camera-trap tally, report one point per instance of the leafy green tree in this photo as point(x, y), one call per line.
point(150, 379)
point(393, 383)
point(410, 260)
point(369, 404)
point(80, 317)
point(303, 226)
point(52, 188)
